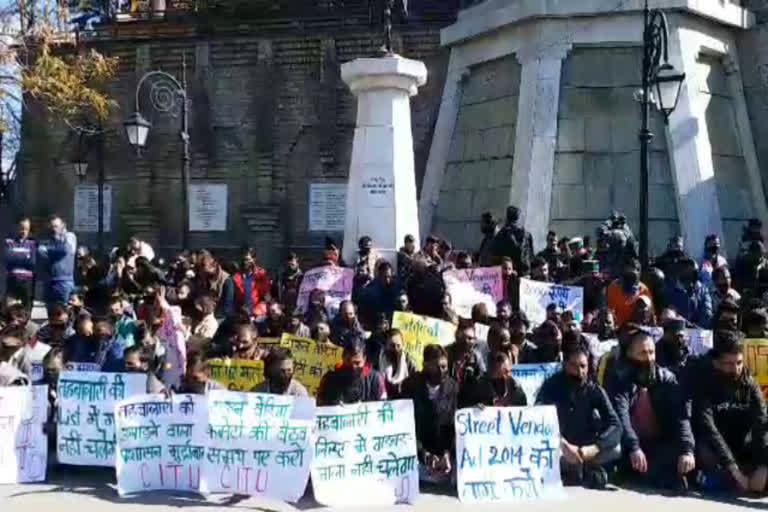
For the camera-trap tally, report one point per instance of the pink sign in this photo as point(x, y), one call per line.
point(473, 286)
point(336, 282)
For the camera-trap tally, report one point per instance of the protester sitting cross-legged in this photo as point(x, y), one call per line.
point(353, 380)
point(589, 428)
point(197, 378)
point(278, 375)
point(395, 364)
point(497, 388)
point(657, 441)
point(434, 396)
point(730, 419)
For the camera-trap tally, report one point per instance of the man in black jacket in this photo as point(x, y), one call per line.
point(434, 405)
point(730, 419)
point(590, 431)
point(353, 381)
point(657, 438)
point(514, 241)
point(672, 351)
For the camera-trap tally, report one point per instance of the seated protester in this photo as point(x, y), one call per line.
point(197, 378)
point(134, 361)
point(352, 381)
point(722, 288)
point(321, 333)
point(17, 315)
point(688, 296)
point(123, 320)
point(11, 340)
point(152, 350)
point(434, 395)
point(402, 303)
point(204, 320)
point(220, 342)
point(500, 340)
point(503, 313)
point(548, 341)
point(555, 313)
point(245, 345)
point(755, 323)
point(111, 348)
point(273, 325)
point(394, 364)
point(590, 431)
point(622, 293)
point(727, 316)
point(497, 388)
point(375, 344)
point(81, 347)
point(540, 270)
point(29, 358)
point(672, 350)
point(518, 331)
point(642, 312)
point(346, 323)
point(57, 329)
point(480, 314)
point(278, 375)
point(657, 442)
point(316, 311)
point(380, 295)
point(465, 360)
point(447, 312)
point(573, 339)
point(295, 326)
point(730, 419)
point(76, 306)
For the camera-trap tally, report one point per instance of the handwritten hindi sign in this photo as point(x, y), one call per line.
point(336, 282)
point(365, 454)
point(86, 414)
point(536, 296)
point(237, 374)
point(420, 331)
point(474, 286)
point(311, 360)
point(508, 454)
point(160, 443)
point(23, 445)
point(255, 447)
point(756, 359)
point(532, 376)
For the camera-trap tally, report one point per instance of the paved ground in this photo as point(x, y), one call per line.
point(87, 490)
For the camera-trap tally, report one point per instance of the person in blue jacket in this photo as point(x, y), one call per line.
point(20, 252)
point(58, 255)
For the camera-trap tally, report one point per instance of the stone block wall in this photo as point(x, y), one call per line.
point(478, 175)
point(597, 158)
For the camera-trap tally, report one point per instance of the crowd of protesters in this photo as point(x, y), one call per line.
point(647, 410)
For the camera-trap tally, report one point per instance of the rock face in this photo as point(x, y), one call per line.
point(269, 116)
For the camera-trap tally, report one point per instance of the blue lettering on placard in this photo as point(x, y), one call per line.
point(467, 459)
point(467, 425)
point(538, 428)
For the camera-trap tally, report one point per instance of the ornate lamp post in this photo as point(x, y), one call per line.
point(166, 94)
point(667, 83)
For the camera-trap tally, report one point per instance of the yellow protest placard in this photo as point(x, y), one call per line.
point(420, 331)
point(269, 342)
point(311, 360)
point(237, 374)
point(756, 359)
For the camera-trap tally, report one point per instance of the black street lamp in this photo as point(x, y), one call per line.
point(667, 82)
point(166, 94)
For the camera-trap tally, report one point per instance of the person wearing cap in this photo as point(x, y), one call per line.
point(688, 296)
point(594, 286)
point(489, 228)
point(711, 261)
point(625, 291)
point(672, 350)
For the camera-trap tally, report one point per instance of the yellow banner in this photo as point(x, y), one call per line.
point(420, 331)
point(269, 341)
point(756, 359)
point(237, 374)
point(311, 360)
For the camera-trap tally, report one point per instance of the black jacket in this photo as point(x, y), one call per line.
point(335, 388)
point(516, 243)
point(435, 424)
point(730, 418)
point(481, 391)
point(667, 399)
point(586, 415)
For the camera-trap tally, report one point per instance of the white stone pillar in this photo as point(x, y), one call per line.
point(690, 150)
point(381, 196)
point(536, 138)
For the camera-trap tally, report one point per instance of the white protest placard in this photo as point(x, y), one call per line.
point(327, 206)
point(160, 443)
point(208, 207)
point(600, 347)
point(365, 454)
point(85, 433)
point(23, 444)
point(86, 209)
point(255, 447)
point(82, 367)
point(336, 282)
point(474, 286)
point(536, 296)
point(508, 454)
point(532, 375)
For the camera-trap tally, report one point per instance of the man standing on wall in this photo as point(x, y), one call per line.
point(514, 241)
point(58, 252)
point(20, 252)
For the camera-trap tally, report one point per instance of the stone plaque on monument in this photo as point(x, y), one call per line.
point(208, 207)
point(327, 206)
point(87, 208)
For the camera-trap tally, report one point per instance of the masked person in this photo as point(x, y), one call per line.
point(434, 395)
point(58, 255)
point(278, 375)
point(730, 420)
point(465, 360)
point(245, 345)
point(252, 285)
point(353, 380)
point(497, 389)
point(722, 288)
point(672, 350)
point(274, 324)
point(286, 289)
point(625, 291)
point(197, 378)
point(548, 339)
point(590, 432)
point(346, 323)
point(689, 297)
point(657, 442)
point(395, 364)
